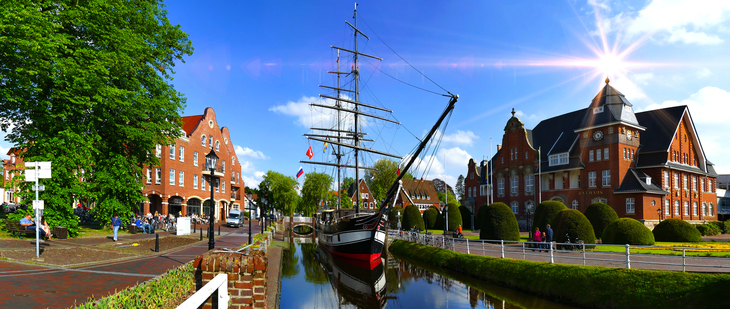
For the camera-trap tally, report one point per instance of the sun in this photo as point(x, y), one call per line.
point(610, 64)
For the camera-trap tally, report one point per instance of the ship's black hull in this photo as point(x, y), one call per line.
point(361, 238)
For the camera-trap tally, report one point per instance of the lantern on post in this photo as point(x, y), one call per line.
point(211, 163)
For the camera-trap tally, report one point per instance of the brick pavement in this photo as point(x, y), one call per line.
point(34, 286)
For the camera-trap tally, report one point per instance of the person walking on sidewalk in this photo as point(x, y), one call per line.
point(549, 236)
point(537, 238)
point(116, 224)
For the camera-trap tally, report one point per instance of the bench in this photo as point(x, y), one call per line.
point(15, 228)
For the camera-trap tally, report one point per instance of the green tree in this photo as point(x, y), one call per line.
point(280, 193)
point(452, 198)
point(460, 187)
point(454, 216)
point(316, 188)
point(431, 217)
point(498, 222)
point(412, 218)
point(87, 86)
point(385, 171)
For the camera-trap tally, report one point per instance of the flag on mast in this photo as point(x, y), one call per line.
point(300, 172)
point(310, 154)
point(371, 178)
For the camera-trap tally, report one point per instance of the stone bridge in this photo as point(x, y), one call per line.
point(291, 222)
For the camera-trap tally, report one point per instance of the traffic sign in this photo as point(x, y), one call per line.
point(39, 188)
point(38, 204)
point(44, 165)
point(31, 173)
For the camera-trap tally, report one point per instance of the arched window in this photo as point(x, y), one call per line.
point(694, 209)
point(710, 212)
point(529, 183)
point(704, 209)
point(202, 139)
point(210, 142)
point(575, 204)
point(515, 208)
point(515, 185)
point(217, 146)
point(500, 186)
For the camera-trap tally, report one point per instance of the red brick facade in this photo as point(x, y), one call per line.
point(167, 194)
point(368, 201)
point(422, 192)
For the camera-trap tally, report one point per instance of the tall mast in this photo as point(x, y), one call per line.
point(356, 75)
point(339, 193)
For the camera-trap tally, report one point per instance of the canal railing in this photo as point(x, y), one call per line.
point(579, 253)
point(219, 284)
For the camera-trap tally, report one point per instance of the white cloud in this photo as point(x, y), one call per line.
point(520, 114)
point(455, 164)
point(4, 152)
point(320, 117)
point(252, 181)
point(642, 78)
point(246, 166)
point(704, 72)
point(710, 110)
point(458, 138)
point(248, 152)
point(676, 21)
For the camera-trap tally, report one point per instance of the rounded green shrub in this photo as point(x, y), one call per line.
point(573, 223)
point(544, 214)
point(430, 217)
point(466, 218)
point(498, 222)
point(707, 229)
point(627, 231)
point(676, 230)
point(600, 215)
point(412, 217)
point(480, 215)
point(454, 216)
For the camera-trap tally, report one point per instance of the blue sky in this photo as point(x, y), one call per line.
point(259, 63)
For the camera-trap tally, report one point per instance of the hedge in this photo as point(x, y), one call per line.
point(412, 217)
point(600, 215)
point(707, 229)
point(544, 214)
point(498, 222)
point(466, 217)
point(575, 224)
point(480, 215)
point(431, 217)
point(676, 230)
point(627, 231)
point(581, 286)
point(454, 217)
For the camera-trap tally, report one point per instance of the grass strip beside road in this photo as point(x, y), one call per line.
point(583, 286)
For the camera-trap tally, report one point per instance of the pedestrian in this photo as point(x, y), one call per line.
point(116, 224)
point(544, 240)
point(46, 228)
point(537, 238)
point(549, 235)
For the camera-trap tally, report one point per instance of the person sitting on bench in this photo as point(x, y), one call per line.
point(28, 223)
point(140, 225)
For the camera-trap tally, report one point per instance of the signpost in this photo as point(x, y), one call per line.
point(41, 170)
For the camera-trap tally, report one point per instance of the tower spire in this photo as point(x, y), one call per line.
point(607, 80)
point(513, 112)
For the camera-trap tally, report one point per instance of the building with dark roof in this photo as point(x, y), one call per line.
point(368, 202)
point(648, 166)
point(421, 192)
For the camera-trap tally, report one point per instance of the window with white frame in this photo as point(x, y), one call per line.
point(526, 156)
point(684, 182)
point(529, 183)
point(694, 209)
point(195, 158)
point(202, 140)
point(210, 142)
point(702, 185)
point(630, 205)
point(202, 183)
point(511, 154)
point(558, 159)
point(590, 155)
point(592, 179)
point(710, 188)
point(172, 151)
point(676, 208)
point(181, 154)
point(529, 207)
point(598, 155)
point(605, 153)
point(223, 187)
point(667, 207)
point(217, 184)
point(181, 178)
point(575, 204)
point(666, 179)
point(606, 178)
point(625, 155)
point(515, 208)
point(233, 161)
point(598, 110)
point(704, 209)
point(172, 177)
point(149, 175)
point(710, 210)
point(195, 181)
point(158, 150)
point(217, 146)
point(158, 179)
point(676, 180)
point(515, 184)
point(694, 183)
point(224, 167)
point(686, 208)
point(500, 186)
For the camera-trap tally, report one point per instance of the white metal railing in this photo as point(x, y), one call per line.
point(575, 253)
point(219, 283)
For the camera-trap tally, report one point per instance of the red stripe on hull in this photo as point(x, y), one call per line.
point(356, 256)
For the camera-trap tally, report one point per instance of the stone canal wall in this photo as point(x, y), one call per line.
point(247, 276)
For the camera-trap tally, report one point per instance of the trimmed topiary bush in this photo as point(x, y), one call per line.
point(465, 218)
point(707, 229)
point(600, 215)
point(430, 217)
point(454, 217)
point(627, 231)
point(498, 222)
point(412, 217)
point(544, 214)
point(676, 230)
point(573, 223)
point(480, 215)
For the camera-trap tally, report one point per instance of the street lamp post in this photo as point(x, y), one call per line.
point(659, 213)
point(211, 163)
point(529, 212)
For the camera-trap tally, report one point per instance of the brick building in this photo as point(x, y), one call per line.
point(180, 183)
point(368, 201)
point(422, 193)
point(10, 169)
point(648, 166)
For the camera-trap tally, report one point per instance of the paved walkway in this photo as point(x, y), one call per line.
point(32, 286)
point(604, 259)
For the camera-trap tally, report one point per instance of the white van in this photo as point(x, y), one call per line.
point(235, 218)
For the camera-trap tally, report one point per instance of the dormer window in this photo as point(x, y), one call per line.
point(598, 110)
point(559, 159)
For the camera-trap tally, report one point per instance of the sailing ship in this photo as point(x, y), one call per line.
point(361, 287)
point(350, 233)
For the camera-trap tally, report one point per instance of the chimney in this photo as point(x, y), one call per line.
point(499, 147)
point(421, 178)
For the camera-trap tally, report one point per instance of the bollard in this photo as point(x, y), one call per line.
point(523, 251)
point(684, 264)
point(584, 253)
point(219, 230)
point(157, 242)
point(201, 233)
point(628, 259)
point(195, 226)
point(501, 244)
point(552, 259)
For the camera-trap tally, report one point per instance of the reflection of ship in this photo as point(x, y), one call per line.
point(348, 232)
point(363, 287)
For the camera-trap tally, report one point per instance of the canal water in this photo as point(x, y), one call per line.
point(313, 278)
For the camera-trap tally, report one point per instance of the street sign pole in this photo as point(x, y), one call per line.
point(41, 170)
point(37, 219)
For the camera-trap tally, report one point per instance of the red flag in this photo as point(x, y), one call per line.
point(398, 171)
point(310, 154)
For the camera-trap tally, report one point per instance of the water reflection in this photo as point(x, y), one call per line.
point(332, 282)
